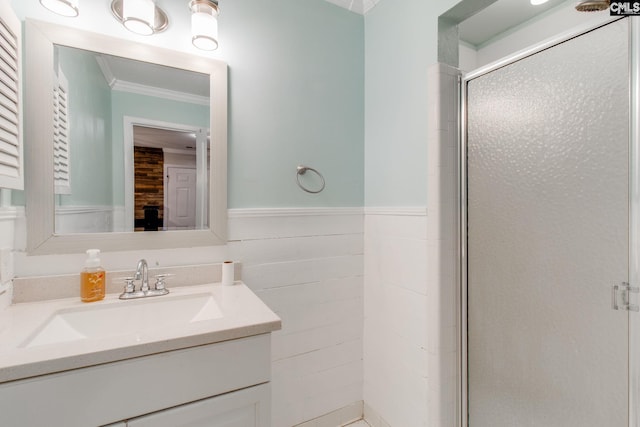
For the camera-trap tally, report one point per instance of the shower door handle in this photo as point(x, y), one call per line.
point(623, 289)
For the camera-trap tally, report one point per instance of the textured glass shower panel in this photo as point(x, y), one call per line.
point(548, 236)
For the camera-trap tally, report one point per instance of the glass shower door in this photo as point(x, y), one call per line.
point(547, 237)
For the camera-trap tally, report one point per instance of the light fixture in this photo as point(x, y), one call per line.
point(140, 16)
point(593, 5)
point(538, 2)
point(204, 24)
point(62, 7)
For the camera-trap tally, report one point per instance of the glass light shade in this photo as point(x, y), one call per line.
point(62, 7)
point(538, 2)
point(138, 16)
point(204, 30)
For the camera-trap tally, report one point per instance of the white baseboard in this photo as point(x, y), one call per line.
point(338, 418)
point(373, 418)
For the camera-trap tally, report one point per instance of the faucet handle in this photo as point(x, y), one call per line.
point(160, 281)
point(129, 286)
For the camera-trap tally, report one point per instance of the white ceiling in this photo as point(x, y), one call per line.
point(500, 17)
point(121, 70)
point(357, 6)
point(486, 24)
point(164, 138)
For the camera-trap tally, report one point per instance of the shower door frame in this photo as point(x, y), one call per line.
point(634, 204)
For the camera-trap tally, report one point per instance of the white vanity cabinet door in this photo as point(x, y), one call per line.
point(245, 408)
point(130, 388)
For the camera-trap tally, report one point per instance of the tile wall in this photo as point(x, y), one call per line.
point(395, 325)
point(442, 247)
point(306, 265)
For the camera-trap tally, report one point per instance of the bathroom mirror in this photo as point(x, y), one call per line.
point(131, 147)
point(88, 195)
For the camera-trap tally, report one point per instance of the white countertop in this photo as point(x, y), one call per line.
point(243, 315)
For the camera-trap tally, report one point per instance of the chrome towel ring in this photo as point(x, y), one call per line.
point(301, 170)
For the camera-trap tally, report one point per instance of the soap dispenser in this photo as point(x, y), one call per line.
point(92, 278)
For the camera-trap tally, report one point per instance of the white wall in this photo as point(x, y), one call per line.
point(442, 247)
point(395, 341)
point(307, 266)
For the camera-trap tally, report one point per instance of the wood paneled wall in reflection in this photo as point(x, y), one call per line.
point(149, 185)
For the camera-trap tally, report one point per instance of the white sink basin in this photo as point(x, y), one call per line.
point(116, 318)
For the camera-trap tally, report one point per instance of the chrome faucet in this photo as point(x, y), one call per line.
point(142, 274)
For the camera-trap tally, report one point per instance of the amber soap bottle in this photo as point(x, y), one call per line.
point(92, 278)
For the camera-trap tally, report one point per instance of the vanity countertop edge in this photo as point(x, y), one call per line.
point(244, 315)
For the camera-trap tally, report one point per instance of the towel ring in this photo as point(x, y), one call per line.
point(301, 171)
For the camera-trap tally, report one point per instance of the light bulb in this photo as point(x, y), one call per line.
point(62, 7)
point(138, 16)
point(204, 31)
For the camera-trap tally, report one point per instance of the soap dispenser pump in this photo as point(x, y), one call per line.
point(92, 278)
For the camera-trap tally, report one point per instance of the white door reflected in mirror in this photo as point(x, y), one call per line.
point(181, 199)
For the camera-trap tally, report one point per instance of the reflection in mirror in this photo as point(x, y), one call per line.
point(92, 124)
point(166, 176)
point(130, 144)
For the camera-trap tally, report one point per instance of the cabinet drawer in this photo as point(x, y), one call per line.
point(122, 390)
point(245, 408)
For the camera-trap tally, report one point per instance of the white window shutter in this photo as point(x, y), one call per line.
point(11, 150)
point(61, 148)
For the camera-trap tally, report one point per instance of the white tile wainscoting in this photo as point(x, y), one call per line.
point(442, 251)
point(352, 291)
point(307, 266)
point(395, 325)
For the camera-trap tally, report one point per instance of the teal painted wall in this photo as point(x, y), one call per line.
point(296, 93)
point(147, 107)
point(90, 129)
point(296, 96)
point(401, 42)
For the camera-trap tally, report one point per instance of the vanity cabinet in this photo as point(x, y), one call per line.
point(244, 408)
point(224, 384)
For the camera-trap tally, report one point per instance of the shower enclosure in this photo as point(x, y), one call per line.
point(549, 245)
